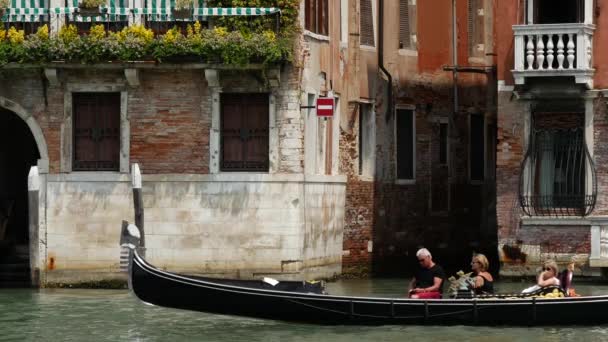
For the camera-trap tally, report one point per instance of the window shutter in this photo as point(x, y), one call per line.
point(476, 22)
point(367, 23)
point(405, 144)
point(96, 131)
point(310, 14)
point(471, 26)
point(244, 132)
point(404, 24)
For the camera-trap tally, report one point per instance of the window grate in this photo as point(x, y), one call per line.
point(558, 175)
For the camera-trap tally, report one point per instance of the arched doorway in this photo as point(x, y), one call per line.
point(18, 152)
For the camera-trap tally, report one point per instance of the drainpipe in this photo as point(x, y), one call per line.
point(389, 109)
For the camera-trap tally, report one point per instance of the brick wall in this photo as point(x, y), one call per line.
point(170, 120)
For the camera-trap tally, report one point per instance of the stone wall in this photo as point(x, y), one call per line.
point(241, 226)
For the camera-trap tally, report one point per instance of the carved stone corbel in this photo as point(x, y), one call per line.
point(213, 77)
point(52, 76)
point(132, 76)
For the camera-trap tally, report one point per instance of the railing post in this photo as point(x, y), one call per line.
point(581, 51)
point(33, 194)
point(519, 52)
point(138, 204)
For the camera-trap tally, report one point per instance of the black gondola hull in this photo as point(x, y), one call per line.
point(166, 289)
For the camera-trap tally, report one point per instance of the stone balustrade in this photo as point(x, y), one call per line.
point(549, 50)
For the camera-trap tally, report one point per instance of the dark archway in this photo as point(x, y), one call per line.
point(18, 152)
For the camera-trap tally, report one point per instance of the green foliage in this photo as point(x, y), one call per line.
point(288, 18)
point(91, 3)
point(218, 45)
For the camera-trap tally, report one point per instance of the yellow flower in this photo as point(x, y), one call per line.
point(15, 36)
point(220, 31)
point(172, 36)
point(269, 35)
point(43, 32)
point(197, 27)
point(189, 31)
point(68, 33)
point(2, 34)
point(97, 33)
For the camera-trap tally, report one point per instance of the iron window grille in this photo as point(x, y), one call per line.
point(558, 176)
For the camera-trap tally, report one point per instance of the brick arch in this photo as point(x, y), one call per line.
point(31, 122)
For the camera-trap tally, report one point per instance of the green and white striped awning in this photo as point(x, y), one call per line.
point(217, 11)
point(27, 11)
point(161, 10)
point(114, 10)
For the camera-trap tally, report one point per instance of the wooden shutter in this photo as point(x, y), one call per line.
point(310, 14)
point(244, 132)
point(367, 23)
point(471, 26)
point(405, 144)
point(96, 132)
point(322, 17)
point(404, 25)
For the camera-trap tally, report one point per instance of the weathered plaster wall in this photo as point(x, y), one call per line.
point(224, 225)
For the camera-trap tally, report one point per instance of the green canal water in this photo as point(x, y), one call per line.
point(111, 315)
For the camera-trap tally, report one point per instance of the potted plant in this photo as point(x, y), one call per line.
point(4, 4)
point(183, 9)
point(90, 7)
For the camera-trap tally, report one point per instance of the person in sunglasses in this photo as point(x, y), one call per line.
point(428, 279)
point(547, 277)
point(484, 283)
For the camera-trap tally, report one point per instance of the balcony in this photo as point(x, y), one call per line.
point(554, 50)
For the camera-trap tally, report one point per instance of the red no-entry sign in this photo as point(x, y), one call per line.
point(325, 106)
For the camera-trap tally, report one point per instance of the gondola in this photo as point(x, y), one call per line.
point(307, 303)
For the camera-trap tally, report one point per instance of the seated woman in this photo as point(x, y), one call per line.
point(484, 283)
point(565, 278)
point(548, 277)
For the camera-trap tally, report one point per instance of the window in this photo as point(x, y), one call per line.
point(367, 143)
point(407, 24)
point(316, 16)
point(405, 136)
point(443, 143)
point(344, 21)
point(244, 135)
point(367, 23)
point(477, 147)
point(558, 176)
point(476, 29)
point(96, 131)
point(558, 11)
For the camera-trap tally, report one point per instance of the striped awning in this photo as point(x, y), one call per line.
point(27, 11)
point(161, 10)
point(217, 11)
point(114, 10)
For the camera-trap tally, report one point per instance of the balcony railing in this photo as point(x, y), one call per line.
point(550, 50)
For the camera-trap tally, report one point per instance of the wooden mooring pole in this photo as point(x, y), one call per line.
point(138, 205)
point(33, 200)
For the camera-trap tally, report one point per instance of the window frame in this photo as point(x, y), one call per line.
point(412, 22)
point(470, 154)
point(366, 162)
point(66, 142)
point(267, 161)
point(412, 109)
point(312, 23)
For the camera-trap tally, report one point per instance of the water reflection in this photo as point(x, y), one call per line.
point(105, 315)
